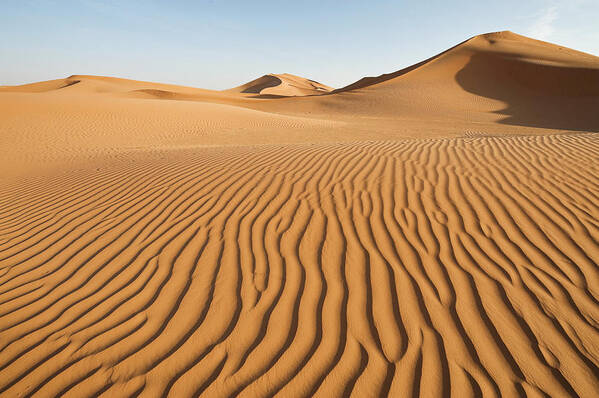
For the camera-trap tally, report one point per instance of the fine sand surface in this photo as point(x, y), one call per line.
point(431, 232)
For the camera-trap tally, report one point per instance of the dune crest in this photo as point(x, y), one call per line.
point(282, 85)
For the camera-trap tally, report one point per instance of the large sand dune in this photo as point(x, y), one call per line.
point(431, 232)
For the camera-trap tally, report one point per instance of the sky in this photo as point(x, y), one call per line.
point(218, 44)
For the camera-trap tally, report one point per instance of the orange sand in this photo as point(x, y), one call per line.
point(430, 232)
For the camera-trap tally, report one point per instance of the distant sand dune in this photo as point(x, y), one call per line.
point(284, 239)
point(282, 85)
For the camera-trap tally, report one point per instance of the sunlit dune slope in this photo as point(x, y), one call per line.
point(98, 85)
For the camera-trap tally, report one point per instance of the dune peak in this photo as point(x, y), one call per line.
point(282, 85)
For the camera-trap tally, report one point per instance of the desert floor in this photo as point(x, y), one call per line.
point(431, 232)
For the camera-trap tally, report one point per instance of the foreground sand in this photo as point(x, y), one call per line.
point(216, 246)
point(422, 267)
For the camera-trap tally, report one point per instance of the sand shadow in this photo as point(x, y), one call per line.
point(269, 96)
point(537, 95)
point(265, 82)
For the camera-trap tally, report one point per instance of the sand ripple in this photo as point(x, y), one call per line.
point(413, 268)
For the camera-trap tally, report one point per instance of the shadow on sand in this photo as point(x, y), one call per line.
point(263, 83)
point(536, 94)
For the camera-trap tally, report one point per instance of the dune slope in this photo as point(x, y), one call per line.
point(282, 85)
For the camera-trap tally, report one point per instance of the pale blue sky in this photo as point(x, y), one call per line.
point(219, 44)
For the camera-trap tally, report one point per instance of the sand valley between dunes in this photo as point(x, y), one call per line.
point(431, 232)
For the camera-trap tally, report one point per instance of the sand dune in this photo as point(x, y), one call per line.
point(493, 78)
point(88, 84)
point(432, 232)
point(278, 85)
point(282, 85)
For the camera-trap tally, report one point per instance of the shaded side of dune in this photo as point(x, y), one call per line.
point(536, 94)
point(262, 83)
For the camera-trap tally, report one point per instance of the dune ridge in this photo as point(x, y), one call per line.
point(536, 50)
point(282, 85)
point(432, 232)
